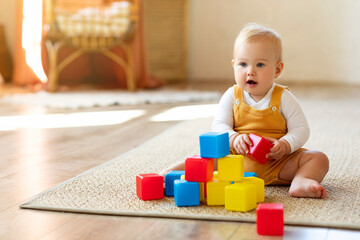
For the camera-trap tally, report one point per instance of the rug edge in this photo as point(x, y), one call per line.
point(183, 216)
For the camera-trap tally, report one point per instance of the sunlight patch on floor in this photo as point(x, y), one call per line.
point(186, 113)
point(82, 119)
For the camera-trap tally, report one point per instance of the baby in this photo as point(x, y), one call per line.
point(258, 105)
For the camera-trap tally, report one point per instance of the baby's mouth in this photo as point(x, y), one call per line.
point(251, 82)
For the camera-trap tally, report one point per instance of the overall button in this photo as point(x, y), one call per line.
point(237, 102)
point(274, 108)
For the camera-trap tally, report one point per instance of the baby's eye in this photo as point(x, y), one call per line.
point(242, 64)
point(260, 65)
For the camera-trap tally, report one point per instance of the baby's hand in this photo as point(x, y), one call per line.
point(279, 150)
point(241, 143)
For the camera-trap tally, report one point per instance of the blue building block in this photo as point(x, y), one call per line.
point(250, 174)
point(169, 181)
point(214, 145)
point(186, 193)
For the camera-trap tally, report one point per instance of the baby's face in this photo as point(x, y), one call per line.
point(256, 66)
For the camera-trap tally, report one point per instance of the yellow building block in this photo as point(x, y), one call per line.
point(216, 192)
point(240, 197)
point(182, 177)
point(231, 168)
point(202, 191)
point(260, 187)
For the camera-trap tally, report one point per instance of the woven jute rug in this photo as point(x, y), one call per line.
point(111, 188)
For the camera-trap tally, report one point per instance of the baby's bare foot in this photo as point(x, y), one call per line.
point(305, 187)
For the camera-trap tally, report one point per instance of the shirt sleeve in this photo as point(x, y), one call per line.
point(298, 131)
point(224, 118)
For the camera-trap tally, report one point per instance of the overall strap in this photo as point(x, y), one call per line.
point(238, 93)
point(276, 95)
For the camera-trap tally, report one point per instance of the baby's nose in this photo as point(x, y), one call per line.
point(251, 72)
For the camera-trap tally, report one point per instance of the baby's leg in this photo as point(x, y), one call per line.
point(180, 166)
point(306, 171)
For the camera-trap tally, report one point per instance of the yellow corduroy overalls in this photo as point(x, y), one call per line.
point(266, 123)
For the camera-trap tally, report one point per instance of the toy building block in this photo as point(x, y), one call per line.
point(186, 193)
point(202, 186)
point(250, 174)
point(214, 145)
point(231, 168)
point(260, 187)
point(259, 148)
point(240, 197)
point(202, 190)
point(198, 169)
point(216, 192)
point(270, 219)
point(150, 186)
point(169, 181)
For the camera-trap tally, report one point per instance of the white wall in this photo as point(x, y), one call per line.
point(321, 38)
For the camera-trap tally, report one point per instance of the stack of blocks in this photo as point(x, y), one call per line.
point(228, 186)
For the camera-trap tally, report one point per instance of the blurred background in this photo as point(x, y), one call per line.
point(192, 40)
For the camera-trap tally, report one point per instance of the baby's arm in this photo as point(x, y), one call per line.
point(298, 131)
point(224, 119)
point(224, 122)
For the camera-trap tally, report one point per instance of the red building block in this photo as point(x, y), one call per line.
point(198, 169)
point(259, 148)
point(270, 219)
point(150, 186)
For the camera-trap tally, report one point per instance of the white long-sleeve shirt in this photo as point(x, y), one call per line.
point(298, 131)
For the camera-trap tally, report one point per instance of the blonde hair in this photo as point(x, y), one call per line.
point(252, 32)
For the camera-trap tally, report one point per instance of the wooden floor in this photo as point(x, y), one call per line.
point(33, 160)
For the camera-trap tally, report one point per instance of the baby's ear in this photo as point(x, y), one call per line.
point(279, 68)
